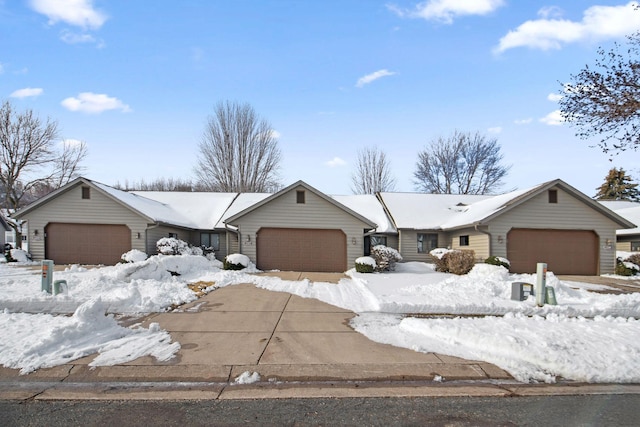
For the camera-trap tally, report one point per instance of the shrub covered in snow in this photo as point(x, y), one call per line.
point(634, 258)
point(496, 260)
point(456, 262)
point(173, 246)
point(18, 255)
point(626, 268)
point(385, 257)
point(365, 264)
point(236, 262)
point(438, 253)
point(134, 255)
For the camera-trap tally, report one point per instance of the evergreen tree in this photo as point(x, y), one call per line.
point(618, 186)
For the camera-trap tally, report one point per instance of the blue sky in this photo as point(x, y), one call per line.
point(136, 80)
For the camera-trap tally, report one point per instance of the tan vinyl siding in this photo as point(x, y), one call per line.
point(408, 244)
point(156, 233)
point(623, 246)
point(232, 243)
point(315, 213)
point(70, 207)
point(392, 241)
point(568, 214)
point(478, 242)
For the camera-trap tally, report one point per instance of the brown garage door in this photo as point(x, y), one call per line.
point(294, 249)
point(86, 243)
point(564, 251)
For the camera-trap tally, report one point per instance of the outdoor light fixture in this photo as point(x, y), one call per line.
point(137, 235)
point(500, 239)
point(353, 240)
point(35, 232)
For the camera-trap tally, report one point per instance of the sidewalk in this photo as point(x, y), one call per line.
point(299, 347)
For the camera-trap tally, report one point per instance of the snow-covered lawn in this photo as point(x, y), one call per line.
point(586, 337)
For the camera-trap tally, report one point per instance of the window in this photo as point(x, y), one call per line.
point(210, 240)
point(635, 246)
point(371, 241)
point(553, 196)
point(464, 240)
point(427, 242)
point(86, 192)
point(174, 235)
point(300, 196)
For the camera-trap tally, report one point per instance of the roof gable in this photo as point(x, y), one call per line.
point(291, 187)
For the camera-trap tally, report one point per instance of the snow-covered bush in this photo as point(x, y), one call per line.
point(456, 261)
point(236, 262)
point(385, 257)
point(173, 246)
point(438, 253)
point(634, 258)
point(626, 268)
point(18, 255)
point(496, 260)
point(365, 264)
point(134, 255)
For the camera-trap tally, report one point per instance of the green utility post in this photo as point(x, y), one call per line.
point(541, 283)
point(47, 275)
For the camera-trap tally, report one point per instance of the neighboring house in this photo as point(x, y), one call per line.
point(628, 240)
point(301, 228)
point(5, 231)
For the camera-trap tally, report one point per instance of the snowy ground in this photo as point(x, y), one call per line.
point(586, 337)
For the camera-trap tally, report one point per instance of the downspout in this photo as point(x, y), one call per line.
point(475, 226)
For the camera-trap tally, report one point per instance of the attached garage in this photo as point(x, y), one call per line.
point(86, 243)
point(297, 249)
point(564, 251)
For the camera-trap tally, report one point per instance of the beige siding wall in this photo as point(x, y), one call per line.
point(156, 233)
point(393, 241)
point(408, 244)
point(70, 207)
point(316, 213)
point(568, 214)
point(478, 242)
point(232, 243)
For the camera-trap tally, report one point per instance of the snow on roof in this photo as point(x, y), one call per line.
point(369, 207)
point(421, 211)
point(242, 202)
point(630, 214)
point(153, 209)
point(201, 210)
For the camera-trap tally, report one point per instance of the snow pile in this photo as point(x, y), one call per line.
point(34, 341)
point(134, 255)
point(576, 339)
point(247, 378)
point(20, 255)
point(239, 259)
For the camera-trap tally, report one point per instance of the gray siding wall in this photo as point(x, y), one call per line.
point(315, 213)
point(478, 242)
point(156, 233)
point(70, 207)
point(568, 214)
point(232, 243)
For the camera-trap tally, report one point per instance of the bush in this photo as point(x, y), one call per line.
point(173, 246)
point(456, 262)
point(365, 264)
point(134, 255)
point(496, 260)
point(622, 269)
point(385, 257)
point(235, 262)
point(635, 259)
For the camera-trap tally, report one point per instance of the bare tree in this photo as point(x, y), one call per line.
point(160, 184)
point(372, 174)
point(30, 164)
point(605, 101)
point(238, 151)
point(463, 163)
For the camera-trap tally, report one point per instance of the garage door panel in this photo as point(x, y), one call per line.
point(301, 249)
point(564, 251)
point(86, 243)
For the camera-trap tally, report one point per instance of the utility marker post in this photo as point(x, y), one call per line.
point(541, 283)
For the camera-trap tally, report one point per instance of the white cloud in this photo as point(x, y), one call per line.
point(495, 130)
point(94, 103)
point(80, 13)
point(598, 23)
point(554, 97)
point(523, 121)
point(27, 92)
point(554, 118)
point(373, 76)
point(335, 162)
point(75, 38)
point(275, 134)
point(446, 10)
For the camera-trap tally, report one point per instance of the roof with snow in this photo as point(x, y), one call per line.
point(370, 207)
point(627, 210)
